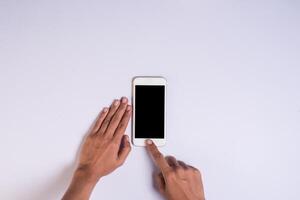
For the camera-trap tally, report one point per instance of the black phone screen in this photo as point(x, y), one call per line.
point(149, 111)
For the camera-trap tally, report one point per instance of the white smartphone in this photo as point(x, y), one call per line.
point(149, 110)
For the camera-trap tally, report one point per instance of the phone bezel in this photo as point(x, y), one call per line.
point(148, 80)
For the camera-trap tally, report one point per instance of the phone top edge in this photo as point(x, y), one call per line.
point(136, 79)
point(149, 81)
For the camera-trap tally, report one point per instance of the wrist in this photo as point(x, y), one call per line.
point(85, 175)
point(82, 185)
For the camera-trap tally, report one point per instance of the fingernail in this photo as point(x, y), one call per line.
point(116, 102)
point(148, 141)
point(124, 99)
point(105, 110)
point(128, 108)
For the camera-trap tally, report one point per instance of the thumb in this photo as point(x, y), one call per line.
point(124, 149)
point(159, 182)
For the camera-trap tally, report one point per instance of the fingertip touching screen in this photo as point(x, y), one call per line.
point(149, 111)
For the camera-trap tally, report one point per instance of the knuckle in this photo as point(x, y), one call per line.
point(91, 136)
point(117, 137)
point(170, 174)
point(122, 124)
point(116, 142)
point(106, 139)
point(157, 155)
point(106, 122)
point(94, 131)
point(102, 116)
point(117, 116)
point(127, 114)
point(196, 171)
point(100, 132)
point(113, 121)
point(168, 157)
point(180, 170)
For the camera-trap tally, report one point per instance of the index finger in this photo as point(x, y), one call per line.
point(157, 157)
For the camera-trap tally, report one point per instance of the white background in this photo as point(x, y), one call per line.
point(233, 69)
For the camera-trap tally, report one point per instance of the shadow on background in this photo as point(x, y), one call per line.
point(55, 187)
point(52, 188)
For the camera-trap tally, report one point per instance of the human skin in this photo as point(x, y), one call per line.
point(104, 149)
point(175, 180)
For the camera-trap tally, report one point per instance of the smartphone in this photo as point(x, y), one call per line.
point(149, 110)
